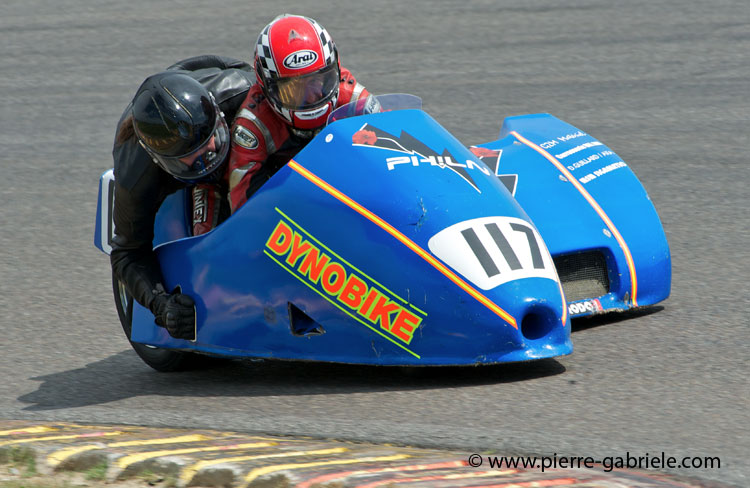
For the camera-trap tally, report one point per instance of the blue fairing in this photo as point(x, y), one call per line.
point(567, 216)
point(378, 231)
point(171, 220)
point(386, 241)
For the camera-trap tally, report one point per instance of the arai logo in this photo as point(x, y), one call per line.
point(300, 59)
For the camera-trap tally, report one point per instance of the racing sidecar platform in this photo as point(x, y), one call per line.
point(386, 241)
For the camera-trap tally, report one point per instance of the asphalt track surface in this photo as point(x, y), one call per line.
point(665, 84)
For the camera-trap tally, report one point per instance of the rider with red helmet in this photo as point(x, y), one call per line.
point(300, 82)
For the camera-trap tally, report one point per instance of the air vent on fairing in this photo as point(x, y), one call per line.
point(583, 275)
point(301, 324)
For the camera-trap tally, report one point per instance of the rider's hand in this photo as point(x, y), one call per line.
point(176, 313)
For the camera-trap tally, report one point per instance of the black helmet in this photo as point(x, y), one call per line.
point(179, 124)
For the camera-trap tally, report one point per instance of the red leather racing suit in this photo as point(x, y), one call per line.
point(258, 133)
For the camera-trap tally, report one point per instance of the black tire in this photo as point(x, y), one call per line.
point(163, 360)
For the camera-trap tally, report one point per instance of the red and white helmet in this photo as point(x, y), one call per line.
point(297, 65)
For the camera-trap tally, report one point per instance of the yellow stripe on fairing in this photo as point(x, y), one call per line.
point(404, 240)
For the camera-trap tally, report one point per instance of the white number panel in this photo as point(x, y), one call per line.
point(490, 251)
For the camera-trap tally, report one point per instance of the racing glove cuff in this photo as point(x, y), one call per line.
point(175, 312)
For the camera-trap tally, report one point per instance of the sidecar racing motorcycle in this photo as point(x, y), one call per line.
point(386, 241)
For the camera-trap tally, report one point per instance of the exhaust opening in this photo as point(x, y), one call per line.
point(301, 324)
point(538, 323)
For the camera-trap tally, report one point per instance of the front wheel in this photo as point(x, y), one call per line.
point(163, 360)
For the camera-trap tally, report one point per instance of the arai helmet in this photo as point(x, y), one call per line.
point(297, 65)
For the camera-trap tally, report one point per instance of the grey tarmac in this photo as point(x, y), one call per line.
point(663, 83)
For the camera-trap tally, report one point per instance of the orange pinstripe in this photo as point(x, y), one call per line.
point(404, 240)
point(595, 206)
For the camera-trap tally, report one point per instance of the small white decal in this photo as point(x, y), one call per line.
point(588, 306)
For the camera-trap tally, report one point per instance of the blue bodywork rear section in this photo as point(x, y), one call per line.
point(570, 223)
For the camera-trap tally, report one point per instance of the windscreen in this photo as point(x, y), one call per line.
point(376, 104)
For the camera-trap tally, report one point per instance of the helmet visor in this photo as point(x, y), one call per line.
point(306, 91)
point(200, 162)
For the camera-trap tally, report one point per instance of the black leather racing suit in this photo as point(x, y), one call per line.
point(141, 186)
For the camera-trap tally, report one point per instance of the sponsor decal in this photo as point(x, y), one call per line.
point(243, 137)
point(554, 142)
point(350, 289)
point(576, 149)
point(300, 59)
point(491, 157)
point(587, 306)
point(568, 137)
point(200, 203)
point(441, 161)
point(583, 162)
point(491, 251)
point(416, 153)
point(602, 171)
point(594, 157)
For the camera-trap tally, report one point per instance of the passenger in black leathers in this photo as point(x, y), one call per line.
point(141, 186)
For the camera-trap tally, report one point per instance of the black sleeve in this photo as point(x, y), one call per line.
point(209, 61)
point(133, 260)
point(140, 189)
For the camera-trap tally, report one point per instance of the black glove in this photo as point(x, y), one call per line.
point(175, 312)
